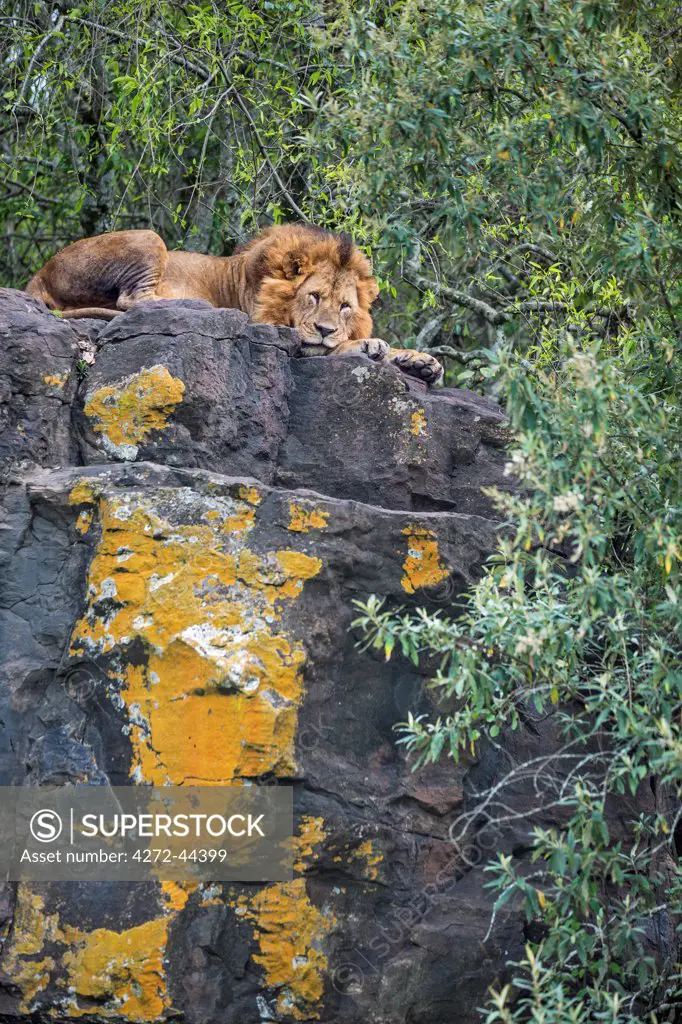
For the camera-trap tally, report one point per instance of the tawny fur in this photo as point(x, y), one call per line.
point(293, 274)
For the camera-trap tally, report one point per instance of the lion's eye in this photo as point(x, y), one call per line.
point(315, 296)
point(345, 305)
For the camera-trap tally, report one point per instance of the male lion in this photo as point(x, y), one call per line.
point(293, 275)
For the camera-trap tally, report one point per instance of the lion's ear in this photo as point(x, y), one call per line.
point(295, 263)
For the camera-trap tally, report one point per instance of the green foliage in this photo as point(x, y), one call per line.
point(547, 206)
point(578, 619)
point(179, 116)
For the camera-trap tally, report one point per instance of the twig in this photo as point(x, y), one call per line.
point(537, 250)
point(413, 275)
point(477, 355)
point(247, 114)
point(19, 102)
point(495, 317)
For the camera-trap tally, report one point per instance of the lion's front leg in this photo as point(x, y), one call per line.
point(417, 364)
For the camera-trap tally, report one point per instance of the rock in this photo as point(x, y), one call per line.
point(180, 568)
point(187, 385)
point(38, 358)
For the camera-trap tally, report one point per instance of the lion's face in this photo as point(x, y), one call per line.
point(325, 309)
point(319, 283)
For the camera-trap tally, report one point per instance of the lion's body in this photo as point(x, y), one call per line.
point(116, 270)
point(294, 275)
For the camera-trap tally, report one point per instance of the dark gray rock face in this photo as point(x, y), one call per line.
point(37, 385)
point(248, 408)
point(201, 482)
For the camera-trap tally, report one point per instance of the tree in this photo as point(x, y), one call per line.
point(178, 116)
point(527, 164)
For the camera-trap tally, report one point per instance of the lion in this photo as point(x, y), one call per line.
point(292, 275)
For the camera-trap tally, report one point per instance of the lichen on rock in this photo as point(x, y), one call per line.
point(126, 413)
point(189, 533)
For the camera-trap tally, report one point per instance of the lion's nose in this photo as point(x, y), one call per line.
point(323, 330)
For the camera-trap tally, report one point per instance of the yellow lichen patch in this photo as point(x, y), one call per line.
point(126, 413)
point(32, 926)
point(371, 858)
point(84, 520)
point(311, 832)
point(422, 566)
point(289, 930)
point(24, 963)
point(250, 494)
point(205, 608)
point(56, 380)
point(117, 973)
point(240, 522)
point(32, 977)
point(303, 518)
point(84, 492)
point(177, 893)
point(418, 423)
point(112, 974)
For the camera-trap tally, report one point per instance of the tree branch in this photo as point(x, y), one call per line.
point(19, 102)
point(413, 276)
point(496, 317)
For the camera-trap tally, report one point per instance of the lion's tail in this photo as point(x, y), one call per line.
point(94, 312)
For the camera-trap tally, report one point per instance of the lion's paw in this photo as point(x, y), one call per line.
point(374, 348)
point(420, 365)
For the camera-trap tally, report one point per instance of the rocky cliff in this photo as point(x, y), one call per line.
point(187, 524)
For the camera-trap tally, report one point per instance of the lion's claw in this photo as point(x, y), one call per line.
point(374, 348)
point(420, 365)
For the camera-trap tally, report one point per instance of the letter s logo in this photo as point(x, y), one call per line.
point(46, 826)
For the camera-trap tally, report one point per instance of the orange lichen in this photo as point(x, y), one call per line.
point(115, 974)
point(84, 492)
point(250, 494)
point(311, 832)
point(371, 858)
point(288, 929)
point(205, 607)
point(32, 928)
point(56, 380)
point(126, 413)
point(177, 893)
point(290, 932)
point(84, 520)
point(303, 518)
point(32, 977)
point(422, 565)
point(121, 973)
point(240, 522)
point(418, 423)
